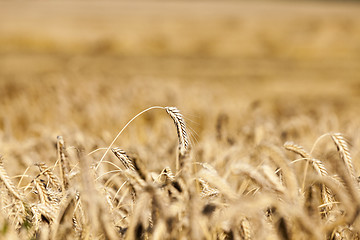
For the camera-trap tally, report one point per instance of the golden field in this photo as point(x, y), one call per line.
point(269, 92)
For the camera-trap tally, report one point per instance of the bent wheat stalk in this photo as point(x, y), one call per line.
point(178, 119)
point(120, 132)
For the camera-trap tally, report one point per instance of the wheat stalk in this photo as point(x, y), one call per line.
point(121, 131)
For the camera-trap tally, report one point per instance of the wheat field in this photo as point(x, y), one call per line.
point(179, 120)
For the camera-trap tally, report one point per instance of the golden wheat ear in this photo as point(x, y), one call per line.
point(47, 171)
point(5, 179)
point(124, 158)
point(327, 195)
point(64, 165)
point(344, 152)
point(317, 164)
point(178, 119)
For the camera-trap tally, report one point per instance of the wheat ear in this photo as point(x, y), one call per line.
point(9, 185)
point(124, 158)
point(327, 194)
point(46, 171)
point(44, 196)
point(317, 164)
point(64, 166)
point(245, 229)
point(206, 190)
point(344, 152)
point(175, 114)
point(280, 160)
point(169, 176)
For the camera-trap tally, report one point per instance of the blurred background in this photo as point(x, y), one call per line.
point(82, 69)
